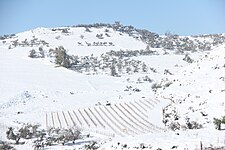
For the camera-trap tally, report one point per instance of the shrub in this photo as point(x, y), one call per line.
point(196, 125)
point(167, 84)
point(193, 124)
point(166, 71)
point(153, 69)
point(41, 51)
point(156, 86)
point(100, 36)
point(106, 30)
point(174, 126)
point(188, 59)
point(82, 36)
point(58, 37)
point(32, 54)
point(10, 47)
point(91, 146)
point(39, 54)
point(65, 30)
point(144, 68)
point(146, 78)
point(107, 34)
point(87, 29)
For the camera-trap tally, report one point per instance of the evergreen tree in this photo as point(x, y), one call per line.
point(62, 58)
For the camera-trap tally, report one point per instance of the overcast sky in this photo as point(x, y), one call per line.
point(183, 17)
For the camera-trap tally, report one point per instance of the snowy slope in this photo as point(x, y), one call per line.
point(199, 88)
point(125, 108)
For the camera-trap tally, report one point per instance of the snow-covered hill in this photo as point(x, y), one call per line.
point(121, 84)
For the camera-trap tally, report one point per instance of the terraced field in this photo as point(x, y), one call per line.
point(121, 119)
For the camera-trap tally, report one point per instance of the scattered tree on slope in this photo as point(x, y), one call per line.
point(61, 57)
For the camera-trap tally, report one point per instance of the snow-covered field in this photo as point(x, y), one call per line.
point(118, 112)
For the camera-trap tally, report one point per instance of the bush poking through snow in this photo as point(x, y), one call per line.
point(92, 146)
point(87, 29)
point(174, 126)
point(156, 86)
point(193, 124)
point(188, 59)
point(35, 54)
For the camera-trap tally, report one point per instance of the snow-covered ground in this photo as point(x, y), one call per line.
point(36, 91)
